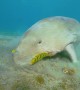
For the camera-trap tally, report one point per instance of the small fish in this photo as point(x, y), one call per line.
point(13, 51)
point(40, 56)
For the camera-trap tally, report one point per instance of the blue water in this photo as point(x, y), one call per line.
point(18, 15)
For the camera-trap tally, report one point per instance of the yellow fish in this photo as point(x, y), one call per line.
point(40, 56)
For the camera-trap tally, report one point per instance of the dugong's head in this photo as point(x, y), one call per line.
point(52, 34)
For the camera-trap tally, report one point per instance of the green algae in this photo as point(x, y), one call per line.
point(1, 87)
point(40, 79)
point(68, 71)
point(67, 83)
point(20, 85)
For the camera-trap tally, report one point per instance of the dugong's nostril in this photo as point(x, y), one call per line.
point(40, 41)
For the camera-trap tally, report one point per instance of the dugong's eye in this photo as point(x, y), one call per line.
point(40, 41)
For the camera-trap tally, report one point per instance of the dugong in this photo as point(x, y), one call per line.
point(48, 36)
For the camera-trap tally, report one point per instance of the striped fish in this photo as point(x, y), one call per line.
point(40, 56)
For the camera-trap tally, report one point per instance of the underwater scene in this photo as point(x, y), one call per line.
point(39, 45)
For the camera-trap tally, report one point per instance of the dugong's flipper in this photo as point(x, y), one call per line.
point(70, 49)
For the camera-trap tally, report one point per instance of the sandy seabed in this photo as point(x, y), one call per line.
point(55, 73)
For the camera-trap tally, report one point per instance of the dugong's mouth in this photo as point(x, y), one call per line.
point(69, 48)
point(40, 56)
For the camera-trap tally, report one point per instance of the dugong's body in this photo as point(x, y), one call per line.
point(53, 34)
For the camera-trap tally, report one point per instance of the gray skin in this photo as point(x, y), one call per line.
point(53, 34)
